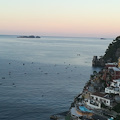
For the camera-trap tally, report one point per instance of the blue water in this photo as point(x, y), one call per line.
point(40, 77)
point(84, 109)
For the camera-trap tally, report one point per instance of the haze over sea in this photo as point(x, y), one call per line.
point(41, 76)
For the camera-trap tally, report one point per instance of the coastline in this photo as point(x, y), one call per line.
point(94, 111)
point(100, 98)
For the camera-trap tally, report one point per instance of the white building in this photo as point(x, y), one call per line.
point(96, 99)
point(112, 90)
point(115, 83)
point(114, 87)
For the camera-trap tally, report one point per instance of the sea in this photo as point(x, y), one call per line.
point(40, 77)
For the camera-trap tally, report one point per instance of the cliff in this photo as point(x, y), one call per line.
point(112, 54)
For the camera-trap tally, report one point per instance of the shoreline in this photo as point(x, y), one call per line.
point(98, 112)
point(59, 116)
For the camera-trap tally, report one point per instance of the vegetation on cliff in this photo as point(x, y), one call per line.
point(117, 108)
point(113, 52)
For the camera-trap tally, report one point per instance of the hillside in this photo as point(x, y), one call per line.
point(112, 53)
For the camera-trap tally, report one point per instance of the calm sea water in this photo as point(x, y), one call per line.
point(40, 77)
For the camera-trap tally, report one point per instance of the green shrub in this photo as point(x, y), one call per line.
point(117, 108)
point(117, 118)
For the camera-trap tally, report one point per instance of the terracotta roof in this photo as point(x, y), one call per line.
point(98, 94)
point(111, 64)
point(114, 68)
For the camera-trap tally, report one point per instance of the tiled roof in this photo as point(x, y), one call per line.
point(114, 68)
point(111, 63)
point(98, 94)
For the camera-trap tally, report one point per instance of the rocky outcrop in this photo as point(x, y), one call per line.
point(98, 61)
point(112, 54)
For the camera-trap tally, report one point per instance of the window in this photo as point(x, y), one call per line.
point(92, 97)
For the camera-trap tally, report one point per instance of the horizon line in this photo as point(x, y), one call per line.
point(57, 36)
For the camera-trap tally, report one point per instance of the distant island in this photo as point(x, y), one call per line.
point(102, 38)
point(31, 36)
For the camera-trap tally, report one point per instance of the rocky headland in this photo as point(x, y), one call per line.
point(112, 54)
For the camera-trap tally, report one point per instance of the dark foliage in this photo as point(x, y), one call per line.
point(117, 108)
point(111, 50)
point(118, 117)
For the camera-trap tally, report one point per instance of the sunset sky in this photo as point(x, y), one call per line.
point(77, 18)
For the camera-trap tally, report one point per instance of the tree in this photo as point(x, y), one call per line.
point(94, 72)
point(111, 50)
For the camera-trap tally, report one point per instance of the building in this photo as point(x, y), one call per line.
point(96, 100)
point(114, 87)
point(112, 90)
point(107, 65)
point(114, 72)
point(115, 83)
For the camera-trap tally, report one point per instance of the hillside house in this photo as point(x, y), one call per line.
point(114, 72)
point(114, 87)
point(115, 83)
point(112, 90)
point(96, 100)
point(107, 65)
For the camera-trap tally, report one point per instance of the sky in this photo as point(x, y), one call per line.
point(74, 18)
